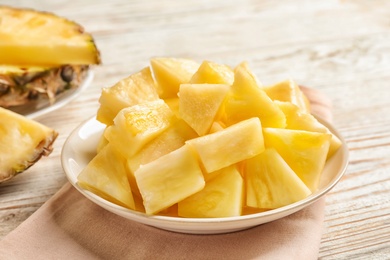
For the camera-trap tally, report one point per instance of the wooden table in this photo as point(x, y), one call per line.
point(339, 47)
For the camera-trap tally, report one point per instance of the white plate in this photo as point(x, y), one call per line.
point(80, 148)
point(43, 106)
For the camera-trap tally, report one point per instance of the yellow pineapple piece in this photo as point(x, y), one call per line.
point(169, 179)
point(170, 73)
point(36, 38)
point(216, 126)
point(222, 196)
point(136, 125)
point(22, 143)
point(301, 120)
point(107, 176)
point(199, 104)
point(231, 145)
point(135, 89)
point(173, 104)
point(246, 99)
point(271, 183)
point(305, 152)
point(288, 91)
point(213, 73)
point(171, 139)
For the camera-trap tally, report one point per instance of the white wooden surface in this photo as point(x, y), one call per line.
point(340, 47)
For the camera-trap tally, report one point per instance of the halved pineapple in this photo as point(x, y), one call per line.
point(34, 38)
point(22, 143)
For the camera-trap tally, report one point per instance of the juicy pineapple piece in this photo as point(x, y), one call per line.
point(246, 99)
point(107, 179)
point(22, 143)
point(19, 86)
point(305, 152)
point(288, 91)
point(135, 89)
point(171, 139)
point(213, 73)
point(271, 183)
point(169, 179)
point(170, 73)
point(136, 125)
point(199, 104)
point(221, 197)
point(230, 145)
point(301, 120)
point(36, 38)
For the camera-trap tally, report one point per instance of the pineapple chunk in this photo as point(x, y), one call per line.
point(136, 125)
point(246, 99)
point(305, 152)
point(221, 197)
point(271, 183)
point(107, 179)
point(22, 143)
point(199, 104)
point(231, 145)
point(213, 73)
point(36, 38)
point(135, 89)
point(169, 179)
point(170, 73)
point(302, 120)
point(171, 139)
point(288, 91)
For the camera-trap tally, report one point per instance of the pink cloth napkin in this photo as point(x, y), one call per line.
point(69, 226)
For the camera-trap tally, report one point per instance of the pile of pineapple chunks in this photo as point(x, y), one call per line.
point(205, 141)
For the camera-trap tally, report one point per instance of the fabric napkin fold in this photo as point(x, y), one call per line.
point(69, 226)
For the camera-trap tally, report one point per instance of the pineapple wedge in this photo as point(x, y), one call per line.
point(222, 196)
point(135, 89)
point(169, 179)
point(22, 143)
point(213, 73)
point(271, 183)
point(33, 38)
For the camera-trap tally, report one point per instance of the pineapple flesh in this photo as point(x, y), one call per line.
point(22, 143)
point(33, 38)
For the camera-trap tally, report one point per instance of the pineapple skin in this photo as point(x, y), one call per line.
point(17, 131)
point(19, 86)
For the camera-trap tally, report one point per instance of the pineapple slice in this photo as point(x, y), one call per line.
point(22, 143)
point(199, 104)
point(169, 179)
point(246, 99)
point(107, 179)
point(221, 197)
point(271, 183)
point(288, 91)
point(170, 73)
point(305, 152)
point(231, 145)
point(136, 125)
point(213, 73)
point(36, 38)
point(135, 89)
point(301, 120)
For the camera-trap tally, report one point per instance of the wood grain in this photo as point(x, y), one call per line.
point(339, 47)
